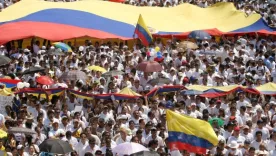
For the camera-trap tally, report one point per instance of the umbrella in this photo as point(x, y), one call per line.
point(63, 46)
point(112, 73)
point(199, 35)
point(219, 120)
point(55, 146)
point(4, 60)
point(45, 80)
point(127, 91)
point(21, 130)
point(145, 153)
point(187, 45)
point(74, 75)
point(3, 134)
point(149, 66)
point(159, 80)
point(57, 52)
point(128, 148)
point(97, 68)
point(33, 70)
point(192, 92)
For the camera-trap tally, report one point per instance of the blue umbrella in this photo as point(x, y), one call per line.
point(199, 35)
point(191, 92)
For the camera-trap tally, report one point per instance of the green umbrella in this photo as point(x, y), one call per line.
point(218, 120)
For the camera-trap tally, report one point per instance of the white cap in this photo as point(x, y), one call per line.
point(43, 47)
point(19, 147)
point(81, 48)
point(26, 50)
point(55, 121)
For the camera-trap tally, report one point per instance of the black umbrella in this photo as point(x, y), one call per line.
point(4, 60)
point(112, 73)
point(199, 35)
point(159, 80)
point(33, 70)
point(55, 146)
point(145, 153)
point(74, 75)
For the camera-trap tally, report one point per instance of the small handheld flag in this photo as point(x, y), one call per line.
point(143, 32)
point(187, 133)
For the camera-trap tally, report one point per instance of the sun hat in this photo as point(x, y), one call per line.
point(233, 144)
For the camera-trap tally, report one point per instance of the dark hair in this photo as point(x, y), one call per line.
point(259, 132)
point(88, 154)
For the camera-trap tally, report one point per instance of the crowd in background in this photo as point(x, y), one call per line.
point(249, 119)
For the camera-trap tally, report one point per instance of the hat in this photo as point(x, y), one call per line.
point(249, 105)
point(153, 128)
point(186, 80)
point(172, 68)
point(75, 120)
point(101, 87)
point(64, 117)
point(233, 144)
point(169, 104)
point(24, 105)
point(245, 127)
point(29, 117)
point(259, 121)
point(55, 121)
point(247, 141)
point(218, 101)
point(193, 104)
point(26, 50)
point(272, 102)
point(122, 117)
point(19, 147)
point(237, 128)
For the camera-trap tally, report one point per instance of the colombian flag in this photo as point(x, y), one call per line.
point(9, 83)
point(187, 133)
point(142, 32)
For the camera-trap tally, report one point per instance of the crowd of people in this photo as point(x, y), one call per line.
point(99, 125)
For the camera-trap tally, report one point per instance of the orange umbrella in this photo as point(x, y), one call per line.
point(45, 80)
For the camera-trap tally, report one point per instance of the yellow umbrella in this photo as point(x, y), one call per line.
point(97, 68)
point(129, 92)
point(3, 134)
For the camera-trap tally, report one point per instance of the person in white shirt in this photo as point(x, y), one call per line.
point(55, 132)
point(246, 133)
point(71, 140)
point(92, 147)
point(272, 142)
point(258, 141)
point(264, 130)
point(123, 136)
point(233, 149)
point(82, 144)
point(154, 136)
point(236, 137)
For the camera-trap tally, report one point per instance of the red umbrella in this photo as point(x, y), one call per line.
point(149, 66)
point(45, 80)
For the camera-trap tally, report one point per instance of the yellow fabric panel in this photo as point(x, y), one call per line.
point(182, 18)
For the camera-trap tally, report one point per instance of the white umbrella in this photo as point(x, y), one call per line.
point(128, 148)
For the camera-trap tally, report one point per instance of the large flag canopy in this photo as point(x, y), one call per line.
point(103, 20)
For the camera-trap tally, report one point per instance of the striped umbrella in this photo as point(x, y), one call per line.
point(63, 46)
